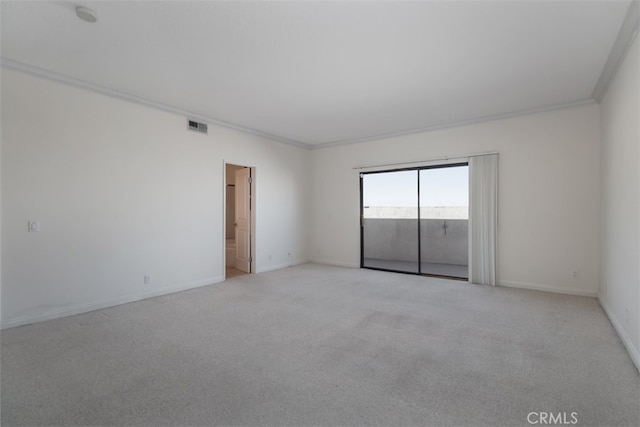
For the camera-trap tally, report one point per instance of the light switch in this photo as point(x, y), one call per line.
point(34, 226)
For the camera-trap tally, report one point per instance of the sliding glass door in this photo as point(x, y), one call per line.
point(390, 221)
point(444, 221)
point(416, 220)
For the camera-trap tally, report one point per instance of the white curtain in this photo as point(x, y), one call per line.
point(483, 218)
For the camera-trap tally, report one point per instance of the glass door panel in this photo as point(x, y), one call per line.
point(390, 221)
point(444, 221)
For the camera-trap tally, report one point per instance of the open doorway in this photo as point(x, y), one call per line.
point(239, 214)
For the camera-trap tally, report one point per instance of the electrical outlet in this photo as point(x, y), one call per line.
point(33, 226)
point(576, 273)
point(147, 279)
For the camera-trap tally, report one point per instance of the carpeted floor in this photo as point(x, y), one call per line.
point(318, 345)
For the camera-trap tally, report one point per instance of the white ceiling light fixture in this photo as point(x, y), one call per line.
point(86, 14)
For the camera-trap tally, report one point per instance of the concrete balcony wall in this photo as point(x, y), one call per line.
point(397, 239)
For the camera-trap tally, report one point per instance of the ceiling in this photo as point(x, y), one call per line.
point(323, 72)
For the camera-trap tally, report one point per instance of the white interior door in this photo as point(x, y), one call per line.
point(243, 220)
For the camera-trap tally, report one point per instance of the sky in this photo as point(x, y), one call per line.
point(438, 187)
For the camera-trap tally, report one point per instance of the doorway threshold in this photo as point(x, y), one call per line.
point(446, 271)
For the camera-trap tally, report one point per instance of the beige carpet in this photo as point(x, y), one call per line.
point(318, 345)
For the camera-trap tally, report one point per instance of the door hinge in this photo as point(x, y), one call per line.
point(250, 180)
point(250, 260)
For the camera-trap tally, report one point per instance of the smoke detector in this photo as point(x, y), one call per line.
point(86, 14)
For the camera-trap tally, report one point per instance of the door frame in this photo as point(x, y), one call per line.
point(252, 232)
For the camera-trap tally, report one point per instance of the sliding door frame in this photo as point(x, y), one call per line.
point(417, 169)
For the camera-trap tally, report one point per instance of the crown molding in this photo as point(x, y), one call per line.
point(626, 36)
point(71, 81)
point(456, 124)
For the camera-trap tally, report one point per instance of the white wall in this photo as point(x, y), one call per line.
point(548, 190)
point(122, 190)
point(620, 282)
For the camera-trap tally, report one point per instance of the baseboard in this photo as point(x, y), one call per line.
point(97, 305)
point(335, 263)
point(548, 288)
point(626, 341)
point(281, 266)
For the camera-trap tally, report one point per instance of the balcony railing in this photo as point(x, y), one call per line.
point(444, 242)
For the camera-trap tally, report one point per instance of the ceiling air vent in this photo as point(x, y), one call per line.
point(198, 127)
